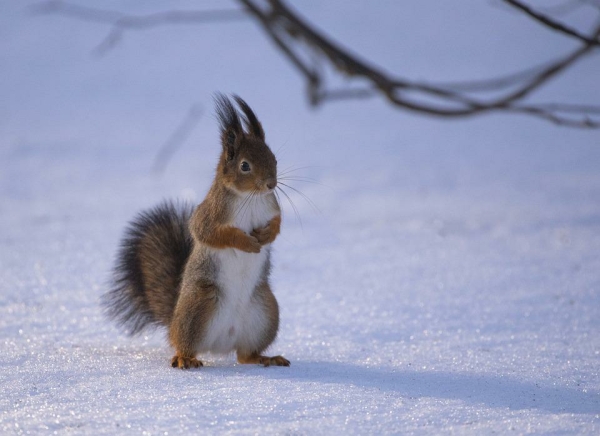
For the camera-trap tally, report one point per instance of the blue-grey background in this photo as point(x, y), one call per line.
point(448, 282)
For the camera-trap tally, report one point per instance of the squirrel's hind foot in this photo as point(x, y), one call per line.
point(185, 362)
point(264, 360)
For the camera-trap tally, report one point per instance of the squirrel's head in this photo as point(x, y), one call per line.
point(247, 163)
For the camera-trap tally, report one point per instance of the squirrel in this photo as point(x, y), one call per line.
point(204, 273)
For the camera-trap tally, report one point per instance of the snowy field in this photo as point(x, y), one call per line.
point(448, 284)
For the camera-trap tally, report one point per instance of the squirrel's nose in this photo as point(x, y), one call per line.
point(271, 183)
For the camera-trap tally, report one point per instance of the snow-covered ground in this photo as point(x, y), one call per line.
point(449, 283)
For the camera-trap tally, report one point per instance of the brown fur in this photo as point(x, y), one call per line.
point(210, 227)
point(158, 273)
point(269, 303)
point(147, 275)
point(208, 223)
point(196, 304)
point(170, 259)
point(264, 167)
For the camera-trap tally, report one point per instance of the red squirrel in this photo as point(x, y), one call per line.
point(204, 273)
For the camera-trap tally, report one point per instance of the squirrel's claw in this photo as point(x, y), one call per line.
point(185, 362)
point(263, 360)
point(275, 361)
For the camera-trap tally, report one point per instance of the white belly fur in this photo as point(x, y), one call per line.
point(238, 319)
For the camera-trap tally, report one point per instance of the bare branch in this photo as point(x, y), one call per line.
point(282, 23)
point(548, 22)
point(564, 8)
point(122, 22)
point(311, 76)
point(309, 51)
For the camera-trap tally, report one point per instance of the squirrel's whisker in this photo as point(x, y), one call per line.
point(291, 169)
point(277, 196)
point(296, 212)
point(281, 147)
point(304, 196)
point(240, 207)
point(303, 180)
point(246, 204)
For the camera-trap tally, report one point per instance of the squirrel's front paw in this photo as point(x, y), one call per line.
point(185, 362)
point(263, 235)
point(250, 245)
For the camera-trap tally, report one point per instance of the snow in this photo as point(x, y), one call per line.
point(448, 283)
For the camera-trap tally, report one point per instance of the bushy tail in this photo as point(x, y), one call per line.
point(149, 267)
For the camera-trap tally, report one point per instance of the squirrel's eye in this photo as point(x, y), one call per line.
point(245, 166)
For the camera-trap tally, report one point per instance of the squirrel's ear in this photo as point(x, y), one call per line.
point(252, 124)
point(228, 139)
point(229, 122)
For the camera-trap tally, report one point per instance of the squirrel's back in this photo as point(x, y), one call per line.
point(149, 266)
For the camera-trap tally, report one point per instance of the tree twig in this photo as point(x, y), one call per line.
point(121, 22)
point(176, 139)
point(281, 22)
point(308, 50)
point(552, 24)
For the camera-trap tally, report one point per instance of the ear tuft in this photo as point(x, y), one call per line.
point(250, 121)
point(229, 120)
